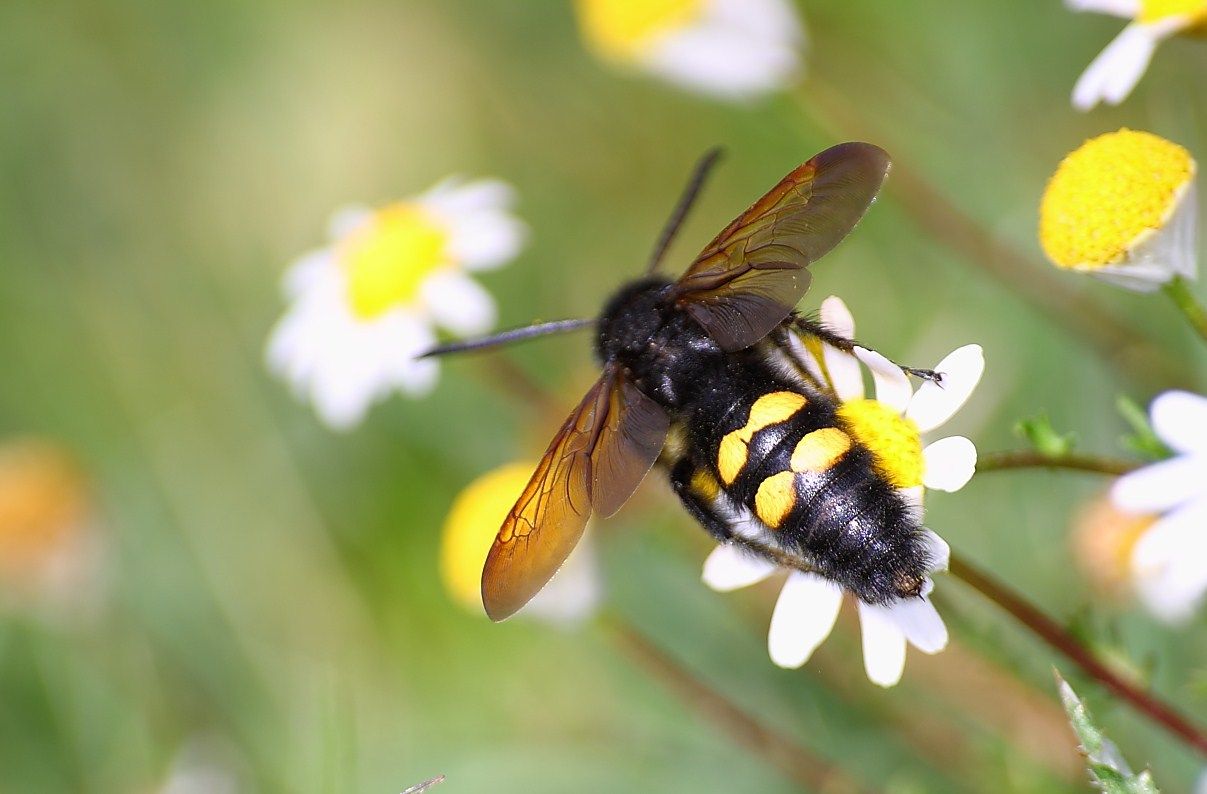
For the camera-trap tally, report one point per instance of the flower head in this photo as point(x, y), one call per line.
point(1122, 207)
point(362, 308)
point(1169, 560)
point(891, 426)
point(1114, 73)
point(469, 530)
point(726, 48)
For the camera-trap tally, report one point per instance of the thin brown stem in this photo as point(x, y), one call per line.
point(504, 372)
point(1030, 459)
point(796, 762)
point(1057, 638)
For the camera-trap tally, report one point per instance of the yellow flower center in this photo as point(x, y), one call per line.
point(1156, 10)
point(388, 257)
point(1109, 195)
point(43, 505)
point(1103, 541)
point(471, 526)
point(893, 439)
point(624, 29)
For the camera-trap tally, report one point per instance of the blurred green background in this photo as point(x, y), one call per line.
point(270, 598)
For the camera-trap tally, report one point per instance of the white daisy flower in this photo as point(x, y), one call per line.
point(1169, 560)
point(571, 596)
point(1122, 207)
point(363, 307)
point(731, 49)
point(1114, 73)
point(891, 426)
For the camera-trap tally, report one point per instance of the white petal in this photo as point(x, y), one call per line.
point(935, 403)
point(1180, 420)
point(314, 270)
point(1114, 73)
point(913, 498)
point(346, 220)
point(940, 552)
point(804, 616)
point(723, 61)
point(458, 303)
point(949, 463)
point(1161, 486)
point(1127, 9)
point(883, 645)
point(486, 240)
point(845, 375)
point(837, 318)
point(454, 197)
point(729, 567)
point(574, 592)
point(892, 384)
point(919, 621)
point(1169, 563)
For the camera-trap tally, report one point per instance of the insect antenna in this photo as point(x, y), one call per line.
point(506, 337)
point(686, 199)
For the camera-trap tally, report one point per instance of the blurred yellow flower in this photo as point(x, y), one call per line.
point(47, 551)
point(469, 531)
point(1122, 207)
point(1103, 540)
point(362, 308)
point(1114, 73)
point(732, 49)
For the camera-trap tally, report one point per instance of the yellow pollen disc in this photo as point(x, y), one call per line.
point(388, 257)
point(470, 528)
point(769, 409)
point(893, 439)
point(1156, 10)
point(1109, 195)
point(820, 450)
point(624, 29)
point(775, 498)
point(44, 504)
point(1104, 538)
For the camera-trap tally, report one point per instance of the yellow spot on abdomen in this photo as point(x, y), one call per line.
point(775, 498)
point(820, 450)
point(894, 440)
point(770, 409)
point(704, 485)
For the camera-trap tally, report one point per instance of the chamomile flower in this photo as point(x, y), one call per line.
point(1114, 73)
point(1169, 559)
point(1123, 207)
point(363, 307)
point(731, 49)
point(570, 597)
point(892, 426)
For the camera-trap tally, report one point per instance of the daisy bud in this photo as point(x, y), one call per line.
point(1122, 207)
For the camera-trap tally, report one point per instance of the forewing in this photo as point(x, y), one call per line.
point(748, 279)
point(598, 457)
point(629, 442)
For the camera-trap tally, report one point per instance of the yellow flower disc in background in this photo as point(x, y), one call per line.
point(893, 439)
point(1109, 195)
point(622, 29)
point(389, 256)
point(473, 521)
point(1155, 10)
point(43, 504)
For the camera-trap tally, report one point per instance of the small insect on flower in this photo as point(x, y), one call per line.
point(362, 308)
point(891, 426)
point(1123, 207)
point(469, 530)
point(710, 375)
point(731, 49)
point(1118, 68)
point(1169, 561)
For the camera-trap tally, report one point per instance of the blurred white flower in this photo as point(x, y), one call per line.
point(1118, 68)
point(569, 598)
point(363, 307)
point(1169, 560)
point(731, 49)
point(891, 426)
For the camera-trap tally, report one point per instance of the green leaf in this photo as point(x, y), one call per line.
point(1038, 431)
point(1108, 770)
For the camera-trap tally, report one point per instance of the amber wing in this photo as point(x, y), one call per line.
point(596, 461)
point(748, 279)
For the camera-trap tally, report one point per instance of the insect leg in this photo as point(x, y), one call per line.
point(819, 331)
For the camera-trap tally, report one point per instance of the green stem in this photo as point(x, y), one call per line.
point(1030, 459)
point(1178, 290)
